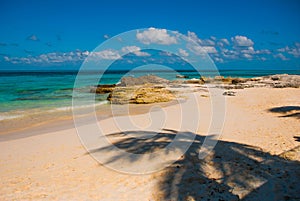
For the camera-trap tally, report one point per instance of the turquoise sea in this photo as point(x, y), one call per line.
point(22, 91)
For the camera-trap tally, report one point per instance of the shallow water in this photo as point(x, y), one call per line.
point(23, 92)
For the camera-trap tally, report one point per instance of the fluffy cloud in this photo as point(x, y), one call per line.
point(242, 41)
point(183, 52)
point(220, 50)
point(105, 54)
point(200, 50)
point(193, 37)
point(294, 50)
point(247, 56)
point(135, 50)
point(204, 42)
point(210, 49)
point(223, 42)
point(207, 42)
point(230, 54)
point(50, 58)
point(248, 50)
point(158, 36)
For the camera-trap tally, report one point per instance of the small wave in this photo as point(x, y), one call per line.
point(8, 116)
point(19, 114)
point(78, 107)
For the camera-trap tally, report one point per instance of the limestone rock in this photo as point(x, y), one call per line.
point(144, 94)
point(132, 81)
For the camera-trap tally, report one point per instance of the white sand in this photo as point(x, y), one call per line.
point(55, 166)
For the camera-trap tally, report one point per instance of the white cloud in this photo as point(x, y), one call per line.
point(6, 58)
point(221, 50)
point(128, 49)
point(135, 50)
point(247, 56)
point(85, 53)
point(106, 55)
point(50, 58)
point(106, 36)
point(242, 41)
point(218, 59)
point(230, 54)
point(224, 41)
point(142, 54)
point(200, 50)
point(248, 50)
point(210, 49)
point(263, 51)
point(33, 38)
point(284, 49)
point(204, 42)
point(165, 53)
point(207, 42)
point(281, 56)
point(294, 50)
point(157, 36)
point(193, 36)
point(213, 38)
point(183, 52)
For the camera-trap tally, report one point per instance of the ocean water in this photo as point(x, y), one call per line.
point(30, 92)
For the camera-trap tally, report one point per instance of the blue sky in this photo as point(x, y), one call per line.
point(255, 34)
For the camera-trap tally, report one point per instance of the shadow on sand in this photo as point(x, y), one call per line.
point(287, 111)
point(232, 171)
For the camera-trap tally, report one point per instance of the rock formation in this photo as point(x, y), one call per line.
point(103, 89)
point(152, 89)
point(132, 81)
point(143, 94)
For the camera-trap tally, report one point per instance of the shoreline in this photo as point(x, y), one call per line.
point(35, 118)
point(24, 126)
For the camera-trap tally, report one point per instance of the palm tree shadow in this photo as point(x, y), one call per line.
point(287, 111)
point(232, 171)
point(297, 138)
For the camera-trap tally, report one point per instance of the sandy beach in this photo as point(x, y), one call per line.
point(256, 157)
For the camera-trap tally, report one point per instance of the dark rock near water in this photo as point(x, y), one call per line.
point(229, 93)
point(103, 89)
point(238, 80)
point(275, 77)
